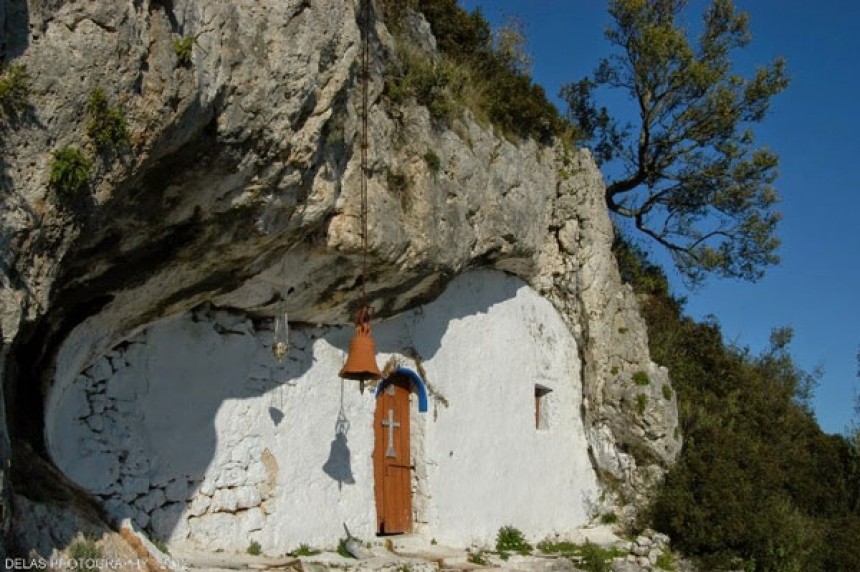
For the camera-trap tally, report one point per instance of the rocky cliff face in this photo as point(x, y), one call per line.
point(241, 183)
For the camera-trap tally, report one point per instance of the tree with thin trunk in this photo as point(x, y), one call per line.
point(691, 177)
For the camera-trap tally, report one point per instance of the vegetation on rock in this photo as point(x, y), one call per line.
point(548, 546)
point(254, 549)
point(666, 561)
point(758, 485)
point(106, 124)
point(641, 403)
point(591, 557)
point(86, 554)
point(667, 392)
point(597, 558)
point(641, 378)
point(433, 161)
point(304, 550)
point(437, 85)
point(510, 539)
point(342, 549)
point(14, 91)
point(70, 170)
point(691, 178)
point(182, 47)
point(161, 545)
point(608, 518)
point(486, 74)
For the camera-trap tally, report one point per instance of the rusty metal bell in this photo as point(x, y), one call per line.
point(361, 361)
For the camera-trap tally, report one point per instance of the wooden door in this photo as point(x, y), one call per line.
point(391, 459)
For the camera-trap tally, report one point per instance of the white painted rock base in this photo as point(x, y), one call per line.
point(194, 431)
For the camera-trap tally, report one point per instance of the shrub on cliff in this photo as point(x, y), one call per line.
point(70, 170)
point(758, 485)
point(493, 82)
point(14, 90)
point(106, 124)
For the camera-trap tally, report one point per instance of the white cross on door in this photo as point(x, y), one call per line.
point(391, 424)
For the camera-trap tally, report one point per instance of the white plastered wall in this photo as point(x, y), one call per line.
point(492, 466)
point(193, 429)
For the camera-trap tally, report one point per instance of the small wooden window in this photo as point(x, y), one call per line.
point(541, 407)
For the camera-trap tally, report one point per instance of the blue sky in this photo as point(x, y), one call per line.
point(814, 126)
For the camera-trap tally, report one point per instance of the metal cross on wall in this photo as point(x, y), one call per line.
point(392, 425)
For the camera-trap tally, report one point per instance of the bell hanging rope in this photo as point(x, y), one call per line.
point(361, 361)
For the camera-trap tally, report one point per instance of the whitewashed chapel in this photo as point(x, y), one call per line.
point(194, 431)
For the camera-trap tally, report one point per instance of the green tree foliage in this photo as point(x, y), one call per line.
point(691, 176)
point(510, 45)
point(758, 485)
point(853, 436)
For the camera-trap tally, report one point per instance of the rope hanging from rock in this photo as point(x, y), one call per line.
point(361, 361)
point(365, 82)
point(281, 334)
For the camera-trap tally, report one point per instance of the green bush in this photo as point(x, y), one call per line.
point(641, 378)
point(182, 47)
point(341, 549)
point(70, 170)
point(161, 545)
point(757, 485)
point(106, 125)
point(608, 518)
point(510, 539)
point(838, 548)
point(666, 561)
point(14, 90)
point(667, 392)
point(304, 550)
point(641, 403)
point(596, 558)
point(548, 546)
point(433, 83)
point(254, 549)
point(592, 558)
point(433, 161)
